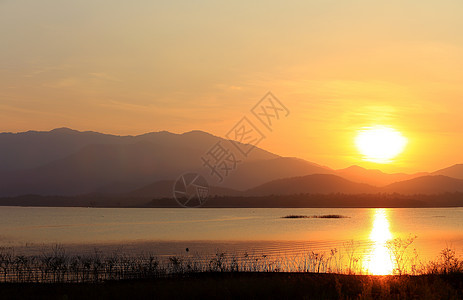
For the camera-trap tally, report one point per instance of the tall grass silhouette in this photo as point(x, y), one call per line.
point(56, 265)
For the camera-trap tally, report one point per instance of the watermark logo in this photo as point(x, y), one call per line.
point(245, 136)
point(191, 190)
point(269, 109)
point(222, 159)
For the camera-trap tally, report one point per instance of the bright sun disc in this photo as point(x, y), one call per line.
point(380, 144)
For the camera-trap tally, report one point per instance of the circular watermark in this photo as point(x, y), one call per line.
point(191, 190)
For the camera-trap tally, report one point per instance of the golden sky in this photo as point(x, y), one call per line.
point(130, 67)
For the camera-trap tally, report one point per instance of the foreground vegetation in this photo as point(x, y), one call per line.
point(308, 275)
point(56, 266)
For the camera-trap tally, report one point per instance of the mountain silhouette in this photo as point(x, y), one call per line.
point(311, 184)
point(374, 177)
point(455, 171)
point(329, 184)
point(436, 184)
point(253, 173)
point(69, 162)
point(66, 162)
point(164, 189)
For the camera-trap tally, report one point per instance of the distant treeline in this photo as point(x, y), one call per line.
point(338, 200)
point(283, 201)
point(76, 201)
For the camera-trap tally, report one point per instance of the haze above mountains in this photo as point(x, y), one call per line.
point(66, 162)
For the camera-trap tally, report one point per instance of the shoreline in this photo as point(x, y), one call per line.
point(380, 200)
point(225, 207)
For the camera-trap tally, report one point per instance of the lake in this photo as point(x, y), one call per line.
point(168, 231)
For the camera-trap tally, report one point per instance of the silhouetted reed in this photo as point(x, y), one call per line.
point(58, 266)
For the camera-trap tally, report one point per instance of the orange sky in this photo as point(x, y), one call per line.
point(180, 65)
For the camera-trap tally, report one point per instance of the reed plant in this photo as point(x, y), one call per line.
point(56, 265)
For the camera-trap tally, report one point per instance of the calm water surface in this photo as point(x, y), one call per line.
point(169, 230)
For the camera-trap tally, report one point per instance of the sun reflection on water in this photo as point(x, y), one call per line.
point(379, 260)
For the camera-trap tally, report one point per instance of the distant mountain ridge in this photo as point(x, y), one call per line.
point(431, 184)
point(66, 162)
point(311, 184)
point(332, 184)
point(31, 149)
point(374, 177)
point(455, 171)
point(164, 189)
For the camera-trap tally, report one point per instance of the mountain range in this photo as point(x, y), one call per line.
point(66, 162)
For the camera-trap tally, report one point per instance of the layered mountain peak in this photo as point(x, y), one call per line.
point(64, 161)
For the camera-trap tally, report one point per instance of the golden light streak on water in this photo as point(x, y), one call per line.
point(379, 259)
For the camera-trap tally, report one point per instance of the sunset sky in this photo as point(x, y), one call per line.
point(140, 66)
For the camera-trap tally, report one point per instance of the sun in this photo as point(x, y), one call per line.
point(380, 144)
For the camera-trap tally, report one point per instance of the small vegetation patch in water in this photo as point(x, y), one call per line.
point(314, 217)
